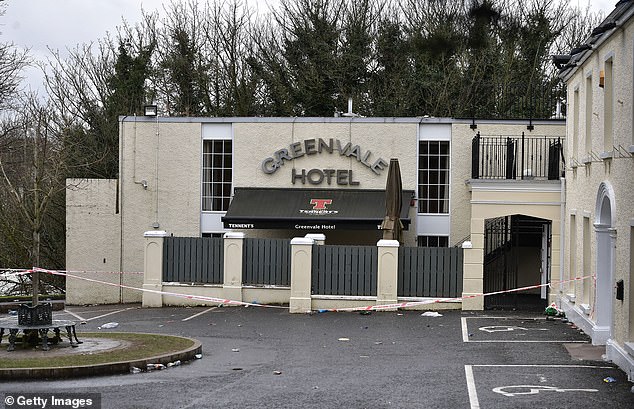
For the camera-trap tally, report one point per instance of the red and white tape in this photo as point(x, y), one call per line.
point(234, 302)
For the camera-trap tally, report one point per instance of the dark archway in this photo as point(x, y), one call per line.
point(516, 255)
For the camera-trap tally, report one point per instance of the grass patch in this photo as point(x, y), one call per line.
point(142, 346)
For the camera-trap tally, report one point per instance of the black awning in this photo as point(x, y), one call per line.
point(310, 209)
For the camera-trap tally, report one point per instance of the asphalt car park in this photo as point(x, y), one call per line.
point(519, 329)
point(268, 358)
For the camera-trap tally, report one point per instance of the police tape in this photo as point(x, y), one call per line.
point(378, 307)
point(222, 301)
point(455, 299)
point(21, 271)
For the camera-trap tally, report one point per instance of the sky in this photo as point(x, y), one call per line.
point(60, 24)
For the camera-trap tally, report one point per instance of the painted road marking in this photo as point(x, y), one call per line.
point(534, 389)
point(199, 314)
point(473, 393)
point(507, 328)
point(79, 317)
point(466, 335)
point(110, 313)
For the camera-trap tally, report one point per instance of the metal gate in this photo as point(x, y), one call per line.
point(344, 270)
point(507, 240)
point(193, 260)
point(266, 262)
point(430, 272)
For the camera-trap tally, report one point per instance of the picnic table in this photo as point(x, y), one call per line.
point(13, 327)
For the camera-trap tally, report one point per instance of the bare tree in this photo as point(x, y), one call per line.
point(32, 174)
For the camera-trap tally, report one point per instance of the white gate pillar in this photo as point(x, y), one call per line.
point(387, 272)
point(232, 265)
point(301, 270)
point(153, 268)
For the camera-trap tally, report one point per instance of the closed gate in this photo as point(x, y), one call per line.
point(266, 262)
point(430, 272)
point(344, 270)
point(193, 260)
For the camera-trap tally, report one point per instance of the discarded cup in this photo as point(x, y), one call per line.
point(198, 356)
point(235, 349)
point(109, 325)
point(134, 369)
point(175, 363)
point(277, 372)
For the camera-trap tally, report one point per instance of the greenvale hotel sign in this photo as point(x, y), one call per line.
point(319, 176)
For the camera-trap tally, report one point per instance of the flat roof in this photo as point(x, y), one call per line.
point(377, 120)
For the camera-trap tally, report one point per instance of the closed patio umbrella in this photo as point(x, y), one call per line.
point(392, 226)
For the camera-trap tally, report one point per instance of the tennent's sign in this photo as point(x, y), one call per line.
point(318, 176)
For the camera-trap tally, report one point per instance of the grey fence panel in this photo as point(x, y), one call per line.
point(266, 262)
point(430, 272)
point(344, 270)
point(193, 260)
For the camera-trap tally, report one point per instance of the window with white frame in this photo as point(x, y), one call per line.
point(433, 241)
point(217, 174)
point(433, 177)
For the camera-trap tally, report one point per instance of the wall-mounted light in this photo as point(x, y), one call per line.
point(601, 79)
point(150, 110)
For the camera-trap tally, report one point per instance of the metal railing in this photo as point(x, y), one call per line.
point(523, 157)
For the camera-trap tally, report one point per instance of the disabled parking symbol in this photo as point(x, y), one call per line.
point(508, 328)
point(517, 390)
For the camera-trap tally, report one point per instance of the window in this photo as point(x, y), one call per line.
point(433, 177)
point(433, 241)
point(608, 108)
point(217, 174)
point(572, 269)
point(575, 127)
point(587, 268)
point(588, 117)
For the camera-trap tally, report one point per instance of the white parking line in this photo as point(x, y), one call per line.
point(541, 366)
point(471, 387)
point(465, 333)
point(110, 313)
point(473, 394)
point(79, 317)
point(199, 314)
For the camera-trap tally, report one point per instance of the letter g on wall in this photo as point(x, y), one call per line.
point(270, 165)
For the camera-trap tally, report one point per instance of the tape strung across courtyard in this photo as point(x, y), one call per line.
point(407, 304)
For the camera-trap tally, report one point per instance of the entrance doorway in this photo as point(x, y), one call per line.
point(605, 239)
point(517, 253)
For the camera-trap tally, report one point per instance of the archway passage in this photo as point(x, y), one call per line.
point(516, 254)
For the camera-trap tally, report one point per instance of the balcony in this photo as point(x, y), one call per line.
point(517, 157)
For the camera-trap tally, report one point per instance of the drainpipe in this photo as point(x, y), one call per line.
point(562, 239)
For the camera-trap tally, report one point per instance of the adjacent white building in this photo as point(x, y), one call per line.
point(599, 210)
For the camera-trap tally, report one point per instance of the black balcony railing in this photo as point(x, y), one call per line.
point(524, 157)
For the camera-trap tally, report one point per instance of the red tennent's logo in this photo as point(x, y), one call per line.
point(320, 204)
point(319, 208)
